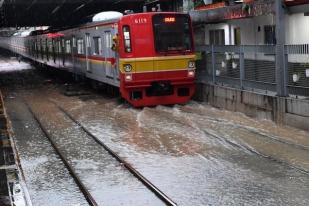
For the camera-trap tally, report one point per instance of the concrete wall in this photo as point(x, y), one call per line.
point(288, 111)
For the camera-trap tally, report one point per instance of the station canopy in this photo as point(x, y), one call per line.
point(22, 13)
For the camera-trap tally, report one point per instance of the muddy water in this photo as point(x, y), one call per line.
point(195, 154)
point(202, 156)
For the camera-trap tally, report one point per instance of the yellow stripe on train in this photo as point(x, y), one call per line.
point(149, 64)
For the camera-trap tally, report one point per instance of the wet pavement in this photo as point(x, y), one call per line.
point(196, 154)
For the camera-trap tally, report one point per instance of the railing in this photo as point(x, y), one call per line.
point(253, 67)
point(297, 64)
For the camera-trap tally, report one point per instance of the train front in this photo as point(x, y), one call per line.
point(156, 58)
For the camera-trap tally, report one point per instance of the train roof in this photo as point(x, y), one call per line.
point(107, 16)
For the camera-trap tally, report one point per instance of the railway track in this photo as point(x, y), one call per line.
point(261, 134)
point(266, 137)
point(91, 200)
point(71, 170)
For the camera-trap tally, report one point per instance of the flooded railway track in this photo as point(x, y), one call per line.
point(87, 194)
point(76, 178)
point(238, 144)
point(253, 151)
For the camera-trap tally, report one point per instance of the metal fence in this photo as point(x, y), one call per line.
point(297, 61)
point(253, 67)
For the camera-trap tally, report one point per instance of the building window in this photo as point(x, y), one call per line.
point(80, 46)
point(270, 34)
point(217, 37)
point(237, 36)
point(97, 45)
point(68, 46)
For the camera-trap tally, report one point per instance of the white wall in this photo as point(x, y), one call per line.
point(248, 28)
point(297, 32)
point(297, 29)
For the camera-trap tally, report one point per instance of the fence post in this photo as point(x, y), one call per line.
point(286, 69)
point(241, 66)
point(213, 63)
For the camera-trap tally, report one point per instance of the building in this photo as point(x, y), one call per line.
point(250, 25)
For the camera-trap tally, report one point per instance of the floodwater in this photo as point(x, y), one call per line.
point(195, 154)
point(106, 179)
point(199, 155)
point(47, 180)
point(12, 64)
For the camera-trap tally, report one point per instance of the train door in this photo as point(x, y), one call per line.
point(88, 52)
point(59, 57)
point(46, 50)
point(42, 49)
point(68, 53)
point(54, 50)
point(107, 52)
point(74, 52)
point(115, 55)
point(62, 51)
point(36, 48)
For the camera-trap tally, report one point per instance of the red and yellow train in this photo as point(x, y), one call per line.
point(149, 56)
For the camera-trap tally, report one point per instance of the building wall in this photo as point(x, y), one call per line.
point(248, 27)
point(252, 29)
point(297, 26)
point(287, 111)
point(252, 33)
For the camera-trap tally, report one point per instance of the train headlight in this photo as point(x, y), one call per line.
point(191, 64)
point(127, 67)
point(191, 73)
point(128, 77)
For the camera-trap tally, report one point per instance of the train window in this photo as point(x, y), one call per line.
point(38, 45)
point(43, 47)
point(59, 46)
point(46, 45)
point(172, 33)
point(53, 45)
point(108, 39)
point(97, 46)
point(46, 49)
point(88, 44)
point(74, 41)
point(80, 46)
point(127, 39)
point(68, 46)
point(50, 46)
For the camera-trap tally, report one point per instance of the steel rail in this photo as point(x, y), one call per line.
point(273, 138)
point(77, 180)
point(256, 152)
point(137, 174)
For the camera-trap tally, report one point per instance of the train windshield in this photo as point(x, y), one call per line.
point(172, 33)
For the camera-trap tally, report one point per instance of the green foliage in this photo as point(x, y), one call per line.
point(198, 3)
